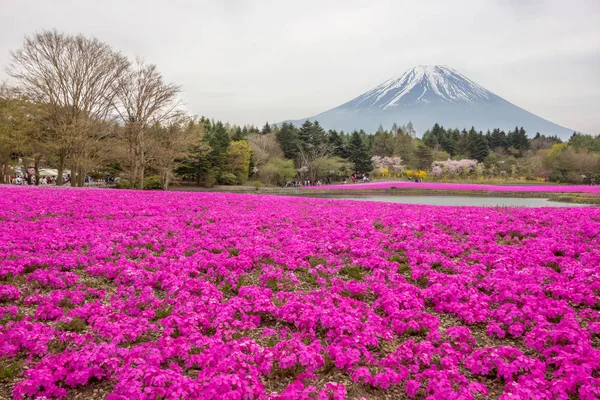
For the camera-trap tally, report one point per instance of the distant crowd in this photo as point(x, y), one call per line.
point(44, 180)
point(355, 178)
point(52, 180)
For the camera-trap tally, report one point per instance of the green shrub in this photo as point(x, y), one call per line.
point(255, 184)
point(209, 181)
point(123, 184)
point(152, 182)
point(227, 178)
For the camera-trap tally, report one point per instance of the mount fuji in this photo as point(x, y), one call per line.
point(428, 94)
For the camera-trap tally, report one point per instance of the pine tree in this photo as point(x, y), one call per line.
point(523, 140)
point(477, 145)
point(337, 144)
point(448, 141)
point(266, 129)
point(462, 144)
point(287, 136)
point(424, 157)
point(305, 133)
point(238, 134)
point(430, 139)
point(518, 139)
point(318, 135)
point(498, 139)
point(359, 155)
point(219, 140)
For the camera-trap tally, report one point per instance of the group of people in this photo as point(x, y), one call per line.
point(415, 179)
point(44, 180)
point(307, 182)
point(52, 180)
point(360, 178)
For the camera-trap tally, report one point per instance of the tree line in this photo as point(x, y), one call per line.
point(80, 105)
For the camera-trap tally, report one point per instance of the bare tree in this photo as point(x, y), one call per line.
point(169, 143)
point(264, 148)
point(75, 76)
point(142, 101)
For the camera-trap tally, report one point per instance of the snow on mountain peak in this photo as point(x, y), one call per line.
point(423, 84)
point(429, 94)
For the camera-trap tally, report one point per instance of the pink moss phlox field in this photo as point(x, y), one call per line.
point(465, 186)
point(221, 296)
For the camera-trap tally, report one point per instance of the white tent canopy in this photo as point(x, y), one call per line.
point(52, 172)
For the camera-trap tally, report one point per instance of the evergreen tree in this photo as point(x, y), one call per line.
point(305, 133)
point(219, 140)
point(287, 136)
point(523, 140)
point(518, 139)
point(266, 129)
point(430, 139)
point(318, 137)
point(424, 157)
point(359, 155)
point(462, 144)
point(477, 145)
point(336, 141)
point(252, 129)
point(448, 141)
point(498, 139)
point(238, 134)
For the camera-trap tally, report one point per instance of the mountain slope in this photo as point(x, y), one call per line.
point(429, 94)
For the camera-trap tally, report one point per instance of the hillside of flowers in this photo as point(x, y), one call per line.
point(467, 186)
point(171, 295)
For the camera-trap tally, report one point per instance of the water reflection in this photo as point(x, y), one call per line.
point(462, 201)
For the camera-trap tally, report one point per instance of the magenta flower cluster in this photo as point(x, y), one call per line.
point(154, 295)
point(466, 186)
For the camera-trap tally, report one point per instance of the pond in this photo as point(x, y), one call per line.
point(462, 201)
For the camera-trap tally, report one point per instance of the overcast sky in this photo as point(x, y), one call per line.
point(254, 61)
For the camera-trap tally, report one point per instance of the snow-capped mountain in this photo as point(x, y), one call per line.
point(428, 94)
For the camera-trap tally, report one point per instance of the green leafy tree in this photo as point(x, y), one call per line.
point(239, 159)
point(383, 143)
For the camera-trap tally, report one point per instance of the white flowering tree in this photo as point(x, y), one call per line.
point(387, 166)
point(454, 167)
